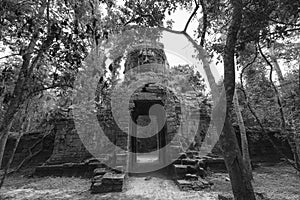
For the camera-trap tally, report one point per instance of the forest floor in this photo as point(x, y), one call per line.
point(278, 182)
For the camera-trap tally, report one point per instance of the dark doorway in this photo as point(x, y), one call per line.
point(148, 134)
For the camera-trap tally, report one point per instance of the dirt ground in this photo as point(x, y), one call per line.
point(276, 182)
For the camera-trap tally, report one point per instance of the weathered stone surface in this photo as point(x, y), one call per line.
point(101, 188)
point(97, 179)
point(74, 169)
point(192, 169)
point(182, 156)
point(113, 179)
point(191, 177)
point(196, 185)
point(191, 154)
point(119, 169)
point(184, 184)
point(201, 163)
point(26, 141)
point(225, 197)
point(99, 171)
point(104, 188)
point(107, 183)
point(205, 182)
point(180, 171)
point(215, 164)
point(201, 172)
point(188, 161)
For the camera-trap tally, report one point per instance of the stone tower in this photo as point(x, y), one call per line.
point(138, 150)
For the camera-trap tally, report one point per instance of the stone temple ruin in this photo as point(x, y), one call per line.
point(163, 145)
point(166, 144)
point(126, 149)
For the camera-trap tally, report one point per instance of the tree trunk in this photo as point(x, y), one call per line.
point(243, 133)
point(240, 182)
point(293, 136)
point(10, 160)
point(22, 84)
point(2, 148)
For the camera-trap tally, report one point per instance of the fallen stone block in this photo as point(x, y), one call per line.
point(180, 171)
point(184, 185)
point(97, 179)
point(182, 156)
point(191, 177)
point(225, 197)
point(191, 154)
point(113, 179)
point(99, 171)
point(101, 188)
point(188, 161)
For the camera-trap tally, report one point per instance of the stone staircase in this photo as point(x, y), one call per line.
point(107, 180)
point(104, 181)
point(190, 170)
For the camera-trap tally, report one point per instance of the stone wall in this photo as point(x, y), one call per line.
point(261, 149)
point(68, 147)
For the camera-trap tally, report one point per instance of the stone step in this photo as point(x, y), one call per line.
point(180, 171)
point(188, 161)
point(97, 179)
point(196, 185)
point(114, 179)
point(119, 169)
point(99, 171)
point(99, 188)
point(184, 184)
point(192, 154)
point(191, 177)
point(215, 164)
point(109, 182)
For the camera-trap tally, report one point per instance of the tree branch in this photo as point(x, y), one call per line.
point(288, 30)
point(259, 121)
point(32, 155)
point(137, 18)
point(191, 17)
point(283, 121)
point(49, 87)
point(202, 41)
point(248, 65)
point(16, 54)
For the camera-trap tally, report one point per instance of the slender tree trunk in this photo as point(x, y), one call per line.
point(293, 137)
point(10, 160)
point(2, 148)
point(243, 133)
point(22, 129)
point(240, 182)
point(22, 84)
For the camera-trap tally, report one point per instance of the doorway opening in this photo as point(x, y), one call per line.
point(148, 136)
